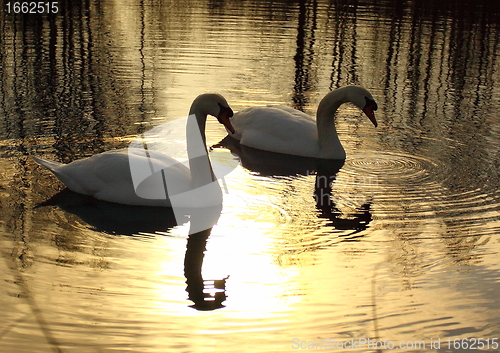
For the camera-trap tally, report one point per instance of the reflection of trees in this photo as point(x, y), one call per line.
point(59, 84)
point(304, 55)
point(440, 55)
point(344, 64)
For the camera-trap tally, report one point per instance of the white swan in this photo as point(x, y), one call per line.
point(107, 176)
point(285, 130)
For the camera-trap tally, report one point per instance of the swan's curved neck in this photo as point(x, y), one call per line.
point(329, 143)
point(199, 163)
point(201, 120)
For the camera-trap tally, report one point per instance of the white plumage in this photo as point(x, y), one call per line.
point(285, 130)
point(107, 176)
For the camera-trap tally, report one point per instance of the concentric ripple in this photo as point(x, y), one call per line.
point(408, 188)
point(392, 166)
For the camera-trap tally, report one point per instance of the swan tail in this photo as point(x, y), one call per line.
point(68, 177)
point(50, 165)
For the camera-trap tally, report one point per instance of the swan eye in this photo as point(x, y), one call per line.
point(224, 114)
point(370, 103)
point(225, 110)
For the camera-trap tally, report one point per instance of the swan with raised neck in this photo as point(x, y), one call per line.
point(285, 130)
point(328, 139)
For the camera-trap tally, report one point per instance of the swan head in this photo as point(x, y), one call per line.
point(361, 98)
point(215, 105)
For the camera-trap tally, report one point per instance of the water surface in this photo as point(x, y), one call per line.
point(402, 247)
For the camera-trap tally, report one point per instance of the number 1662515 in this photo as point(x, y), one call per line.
point(32, 7)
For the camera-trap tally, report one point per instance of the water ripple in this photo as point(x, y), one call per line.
point(415, 188)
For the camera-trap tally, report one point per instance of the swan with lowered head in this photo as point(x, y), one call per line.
point(107, 176)
point(285, 130)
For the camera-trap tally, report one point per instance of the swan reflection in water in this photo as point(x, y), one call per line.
point(276, 164)
point(205, 294)
point(119, 219)
point(357, 221)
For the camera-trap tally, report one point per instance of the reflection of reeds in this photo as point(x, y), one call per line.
point(14, 324)
point(35, 310)
point(374, 305)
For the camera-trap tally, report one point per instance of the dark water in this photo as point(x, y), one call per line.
point(407, 249)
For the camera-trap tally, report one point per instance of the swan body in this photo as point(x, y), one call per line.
point(107, 176)
point(285, 130)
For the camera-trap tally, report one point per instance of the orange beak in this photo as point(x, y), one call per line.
point(369, 109)
point(224, 115)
